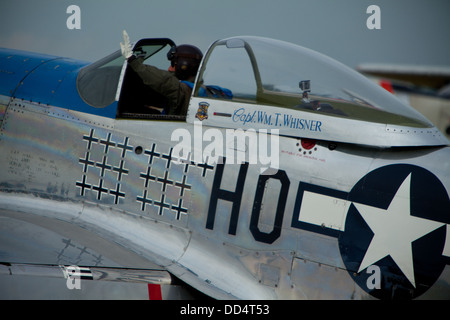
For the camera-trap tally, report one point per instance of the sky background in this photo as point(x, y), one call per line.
point(412, 31)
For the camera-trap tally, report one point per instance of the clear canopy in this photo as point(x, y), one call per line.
point(271, 72)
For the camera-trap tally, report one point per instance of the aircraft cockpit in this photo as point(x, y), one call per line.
point(274, 73)
point(273, 84)
point(261, 83)
point(109, 79)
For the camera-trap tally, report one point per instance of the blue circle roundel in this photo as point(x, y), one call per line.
point(395, 231)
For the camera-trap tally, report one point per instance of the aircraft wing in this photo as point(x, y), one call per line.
point(428, 76)
point(41, 241)
point(42, 257)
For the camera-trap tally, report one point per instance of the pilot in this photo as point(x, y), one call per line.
point(177, 82)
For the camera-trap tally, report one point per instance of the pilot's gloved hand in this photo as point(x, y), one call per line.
point(127, 50)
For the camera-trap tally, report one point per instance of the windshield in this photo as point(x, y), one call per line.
point(271, 72)
point(97, 83)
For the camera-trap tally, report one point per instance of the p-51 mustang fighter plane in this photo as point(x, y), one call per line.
point(290, 177)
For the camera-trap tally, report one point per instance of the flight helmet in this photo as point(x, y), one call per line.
point(186, 60)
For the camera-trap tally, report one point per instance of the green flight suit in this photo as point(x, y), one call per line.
point(165, 83)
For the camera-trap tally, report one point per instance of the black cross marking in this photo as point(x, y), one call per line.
point(182, 185)
point(144, 200)
point(125, 147)
point(86, 162)
point(152, 154)
point(161, 204)
point(82, 250)
point(68, 243)
point(165, 181)
point(83, 185)
point(100, 189)
point(108, 143)
point(205, 167)
point(90, 139)
point(179, 209)
point(147, 176)
point(104, 166)
point(98, 259)
point(168, 157)
point(117, 194)
point(61, 256)
point(188, 163)
point(120, 170)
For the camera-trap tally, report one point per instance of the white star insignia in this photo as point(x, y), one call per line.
point(394, 231)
